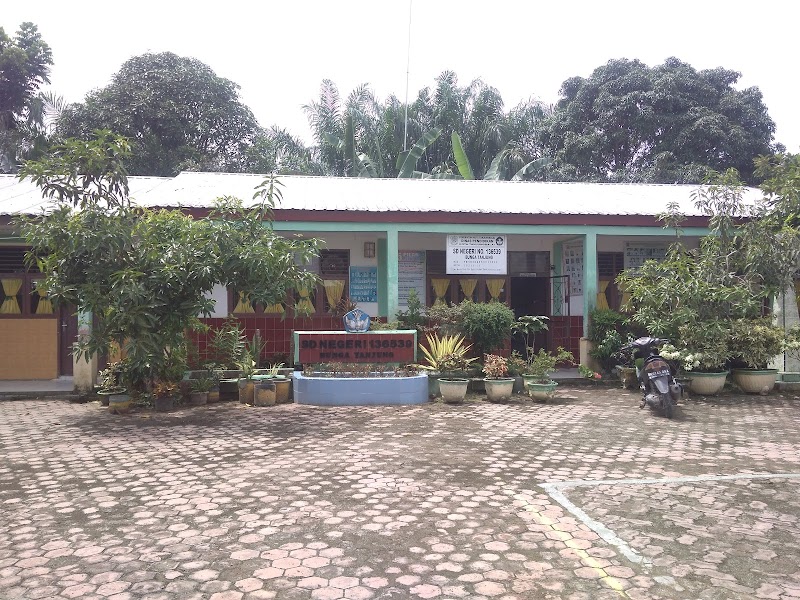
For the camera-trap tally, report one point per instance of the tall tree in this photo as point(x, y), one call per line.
point(176, 112)
point(361, 136)
point(25, 62)
point(665, 124)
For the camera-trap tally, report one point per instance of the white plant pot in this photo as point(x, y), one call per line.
point(499, 388)
point(453, 390)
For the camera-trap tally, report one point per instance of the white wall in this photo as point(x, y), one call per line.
point(220, 297)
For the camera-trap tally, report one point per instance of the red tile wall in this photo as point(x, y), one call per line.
point(277, 333)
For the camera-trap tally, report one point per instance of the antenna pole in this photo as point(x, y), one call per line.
point(408, 67)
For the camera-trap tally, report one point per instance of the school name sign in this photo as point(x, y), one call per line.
point(372, 347)
point(476, 255)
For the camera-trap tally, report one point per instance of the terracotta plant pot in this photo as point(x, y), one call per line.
point(246, 391)
point(282, 387)
point(265, 393)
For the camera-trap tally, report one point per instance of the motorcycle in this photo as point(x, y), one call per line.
point(655, 377)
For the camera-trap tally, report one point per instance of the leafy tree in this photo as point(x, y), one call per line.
point(703, 299)
point(665, 124)
point(25, 64)
point(177, 113)
point(146, 274)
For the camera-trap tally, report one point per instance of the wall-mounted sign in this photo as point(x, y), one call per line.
point(337, 346)
point(364, 284)
point(476, 255)
point(636, 253)
point(573, 267)
point(410, 275)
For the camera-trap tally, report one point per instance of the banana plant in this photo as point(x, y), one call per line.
point(407, 161)
point(494, 172)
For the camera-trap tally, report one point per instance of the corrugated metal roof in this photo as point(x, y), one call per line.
point(191, 189)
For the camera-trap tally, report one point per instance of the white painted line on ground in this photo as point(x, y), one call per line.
point(671, 480)
point(604, 532)
point(555, 491)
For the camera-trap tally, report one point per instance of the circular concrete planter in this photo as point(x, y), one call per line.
point(453, 389)
point(707, 384)
point(119, 404)
point(498, 389)
point(542, 391)
point(359, 391)
point(755, 381)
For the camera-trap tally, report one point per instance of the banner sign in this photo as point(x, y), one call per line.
point(476, 255)
point(337, 346)
point(410, 276)
point(364, 284)
point(636, 253)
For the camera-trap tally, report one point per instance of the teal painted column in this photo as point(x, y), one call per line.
point(589, 278)
point(392, 274)
point(382, 289)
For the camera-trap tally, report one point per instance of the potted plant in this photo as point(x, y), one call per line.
point(754, 343)
point(112, 390)
point(164, 395)
point(526, 327)
point(487, 324)
point(516, 367)
point(200, 390)
point(701, 355)
point(282, 383)
point(498, 385)
point(538, 378)
point(792, 352)
point(246, 383)
point(589, 373)
point(446, 358)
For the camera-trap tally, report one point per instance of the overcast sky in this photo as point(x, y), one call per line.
point(279, 51)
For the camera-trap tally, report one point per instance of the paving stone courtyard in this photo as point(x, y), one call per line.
point(586, 497)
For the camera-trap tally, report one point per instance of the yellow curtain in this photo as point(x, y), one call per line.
point(440, 289)
point(11, 288)
point(243, 306)
point(305, 305)
point(602, 300)
point(495, 287)
point(468, 287)
point(275, 309)
point(333, 292)
point(45, 306)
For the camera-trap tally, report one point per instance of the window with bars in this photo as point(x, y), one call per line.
point(20, 294)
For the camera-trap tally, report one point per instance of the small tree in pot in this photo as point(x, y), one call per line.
point(538, 379)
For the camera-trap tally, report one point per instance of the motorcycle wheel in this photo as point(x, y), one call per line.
point(668, 407)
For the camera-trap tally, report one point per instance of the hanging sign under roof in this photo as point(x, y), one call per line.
point(476, 255)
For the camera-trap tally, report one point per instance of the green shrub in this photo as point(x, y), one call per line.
point(603, 320)
point(488, 325)
point(446, 319)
